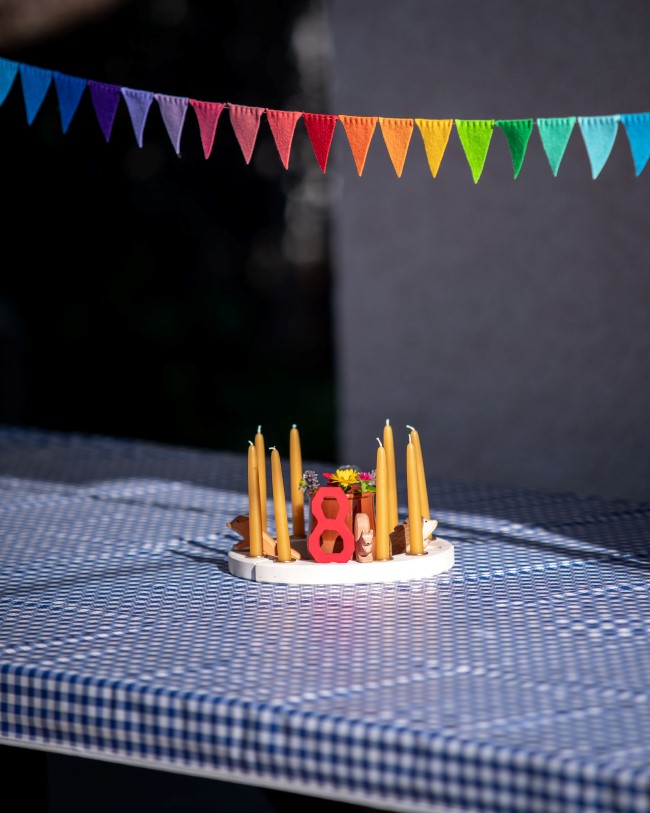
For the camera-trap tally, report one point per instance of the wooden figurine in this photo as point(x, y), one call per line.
point(364, 539)
point(240, 526)
point(400, 537)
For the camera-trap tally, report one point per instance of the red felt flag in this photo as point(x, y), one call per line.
point(245, 122)
point(207, 115)
point(320, 129)
point(283, 125)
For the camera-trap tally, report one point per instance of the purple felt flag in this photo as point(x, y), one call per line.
point(138, 103)
point(173, 110)
point(105, 99)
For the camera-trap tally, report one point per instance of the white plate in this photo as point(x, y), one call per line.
point(403, 567)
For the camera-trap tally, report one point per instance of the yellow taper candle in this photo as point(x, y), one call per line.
point(415, 514)
point(254, 519)
point(381, 506)
point(391, 477)
point(261, 473)
point(283, 551)
point(295, 470)
point(422, 482)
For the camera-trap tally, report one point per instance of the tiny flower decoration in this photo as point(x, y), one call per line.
point(309, 483)
point(346, 478)
point(368, 480)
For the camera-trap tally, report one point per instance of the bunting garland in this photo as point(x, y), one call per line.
point(475, 135)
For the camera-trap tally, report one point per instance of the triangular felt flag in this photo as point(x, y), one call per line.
point(246, 123)
point(359, 130)
point(8, 71)
point(138, 103)
point(475, 136)
point(517, 133)
point(555, 134)
point(283, 125)
point(69, 90)
point(435, 134)
point(599, 134)
point(397, 137)
point(173, 110)
point(105, 99)
point(320, 129)
point(35, 82)
point(207, 115)
point(637, 128)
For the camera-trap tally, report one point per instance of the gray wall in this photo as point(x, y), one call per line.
point(508, 320)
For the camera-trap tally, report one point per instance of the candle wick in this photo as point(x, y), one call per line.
point(379, 442)
point(387, 422)
point(412, 428)
point(259, 428)
point(294, 425)
point(272, 449)
point(251, 443)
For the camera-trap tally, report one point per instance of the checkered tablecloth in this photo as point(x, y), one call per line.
point(517, 682)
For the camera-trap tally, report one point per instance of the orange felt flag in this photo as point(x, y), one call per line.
point(397, 135)
point(435, 134)
point(359, 130)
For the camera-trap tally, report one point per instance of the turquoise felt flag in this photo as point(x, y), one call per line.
point(8, 71)
point(475, 136)
point(517, 133)
point(69, 90)
point(36, 83)
point(555, 134)
point(637, 127)
point(138, 103)
point(599, 134)
point(173, 110)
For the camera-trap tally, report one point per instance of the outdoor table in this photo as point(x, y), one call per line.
point(518, 681)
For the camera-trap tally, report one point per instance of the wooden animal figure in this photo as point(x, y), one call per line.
point(400, 538)
point(240, 526)
point(364, 539)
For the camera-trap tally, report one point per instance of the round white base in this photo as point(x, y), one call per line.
point(403, 567)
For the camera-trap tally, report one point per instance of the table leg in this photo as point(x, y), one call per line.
point(26, 770)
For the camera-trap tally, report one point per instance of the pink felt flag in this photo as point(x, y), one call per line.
point(207, 115)
point(283, 126)
point(245, 122)
point(320, 129)
point(173, 110)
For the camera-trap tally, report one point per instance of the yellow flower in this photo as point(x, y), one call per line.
point(345, 478)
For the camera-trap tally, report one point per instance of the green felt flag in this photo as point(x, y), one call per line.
point(517, 132)
point(555, 135)
point(475, 135)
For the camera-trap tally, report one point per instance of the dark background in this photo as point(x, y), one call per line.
point(144, 295)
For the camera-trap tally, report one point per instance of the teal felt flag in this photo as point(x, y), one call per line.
point(517, 133)
point(637, 127)
point(36, 83)
point(69, 90)
point(599, 134)
point(8, 71)
point(475, 136)
point(555, 134)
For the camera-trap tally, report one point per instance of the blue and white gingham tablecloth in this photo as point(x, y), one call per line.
point(517, 682)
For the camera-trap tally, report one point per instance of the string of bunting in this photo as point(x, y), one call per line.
point(598, 132)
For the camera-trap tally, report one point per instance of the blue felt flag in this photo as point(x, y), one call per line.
point(69, 90)
point(36, 83)
point(637, 127)
point(599, 134)
point(8, 71)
